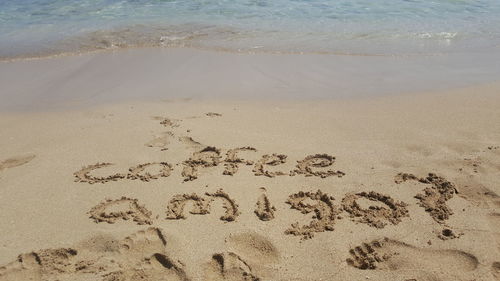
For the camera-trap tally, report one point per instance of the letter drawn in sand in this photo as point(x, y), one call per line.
point(207, 157)
point(270, 160)
point(324, 213)
point(228, 204)
point(375, 216)
point(124, 208)
point(83, 175)
point(201, 205)
point(135, 172)
point(175, 208)
point(264, 209)
point(232, 160)
point(305, 167)
point(434, 198)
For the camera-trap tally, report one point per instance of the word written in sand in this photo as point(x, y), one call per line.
point(310, 166)
point(320, 204)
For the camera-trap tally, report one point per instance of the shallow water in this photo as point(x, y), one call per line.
point(363, 27)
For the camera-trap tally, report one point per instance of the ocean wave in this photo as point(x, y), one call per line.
point(222, 38)
point(352, 27)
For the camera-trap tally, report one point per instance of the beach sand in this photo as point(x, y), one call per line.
point(394, 187)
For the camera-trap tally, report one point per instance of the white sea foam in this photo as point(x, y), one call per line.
point(437, 35)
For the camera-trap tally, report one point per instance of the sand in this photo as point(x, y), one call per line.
point(396, 187)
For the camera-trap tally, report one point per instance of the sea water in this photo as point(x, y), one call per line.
point(354, 27)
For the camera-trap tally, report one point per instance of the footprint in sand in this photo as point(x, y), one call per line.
point(213, 114)
point(141, 256)
point(16, 161)
point(167, 122)
point(255, 248)
point(392, 255)
point(494, 221)
point(481, 163)
point(495, 270)
point(40, 265)
point(190, 143)
point(250, 257)
point(161, 141)
point(228, 266)
point(476, 193)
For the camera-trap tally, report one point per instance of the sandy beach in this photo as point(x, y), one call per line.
point(180, 186)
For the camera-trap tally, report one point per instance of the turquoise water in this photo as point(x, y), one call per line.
point(364, 27)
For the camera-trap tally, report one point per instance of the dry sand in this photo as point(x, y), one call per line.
point(383, 188)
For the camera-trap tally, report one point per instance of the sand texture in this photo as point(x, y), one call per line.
point(388, 188)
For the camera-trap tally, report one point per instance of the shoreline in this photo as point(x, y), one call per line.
point(248, 51)
point(241, 51)
point(75, 81)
